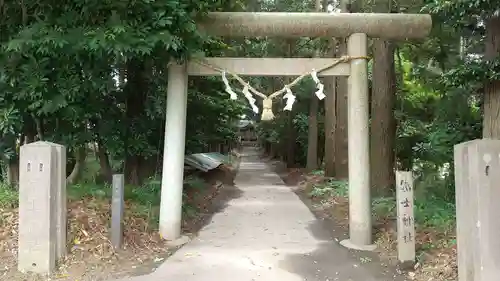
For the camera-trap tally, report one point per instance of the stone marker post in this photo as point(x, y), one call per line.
point(117, 207)
point(406, 219)
point(61, 201)
point(466, 215)
point(477, 174)
point(38, 200)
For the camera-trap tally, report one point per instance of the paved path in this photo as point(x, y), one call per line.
point(266, 234)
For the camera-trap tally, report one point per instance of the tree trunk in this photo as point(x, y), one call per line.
point(491, 121)
point(29, 129)
point(321, 149)
point(312, 139)
point(39, 128)
point(330, 119)
point(13, 171)
point(106, 170)
point(383, 124)
point(291, 133)
point(272, 152)
point(267, 147)
point(149, 168)
point(136, 88)
point(291, 139)
point(132, 170)
point(11, 163)
point(80, 156)
point(341, 141)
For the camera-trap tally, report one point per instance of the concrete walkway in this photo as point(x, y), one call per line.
point(265, 234)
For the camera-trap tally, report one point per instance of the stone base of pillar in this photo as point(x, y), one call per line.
point(170, 231)
point(367, 248)
point(178, 242)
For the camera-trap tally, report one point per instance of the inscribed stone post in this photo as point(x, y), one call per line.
point(478, 228)
point(406, 219)
point(37, 208)
point(466, 215)
point(61, 201)
point(117, 206)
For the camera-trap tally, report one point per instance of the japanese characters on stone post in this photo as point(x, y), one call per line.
point(406, 220)
point(37, 208)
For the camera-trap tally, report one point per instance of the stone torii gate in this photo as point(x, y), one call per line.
point(356, 27)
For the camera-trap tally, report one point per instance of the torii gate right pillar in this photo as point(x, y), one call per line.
point(360, 225)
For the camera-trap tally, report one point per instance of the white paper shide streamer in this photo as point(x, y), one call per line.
point(290, 99)
point(251, 99)
point(230, 91)
point(319, 93)
point(267, 102)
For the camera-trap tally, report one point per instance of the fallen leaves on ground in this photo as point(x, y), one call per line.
point(89, 248)
point(439, 263)
point(91, 255)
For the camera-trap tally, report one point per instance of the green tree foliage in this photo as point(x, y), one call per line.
point(82, 71)
point(440, 84)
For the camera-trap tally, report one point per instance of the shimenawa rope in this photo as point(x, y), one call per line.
point(267, 113)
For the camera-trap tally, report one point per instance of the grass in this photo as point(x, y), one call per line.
point(148, 194)
point(430, 212)
point(329, 188)
point(435, 223)
point(145, 200)
point(9, 198)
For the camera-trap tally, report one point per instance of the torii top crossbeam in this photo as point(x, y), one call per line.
point(389, 26)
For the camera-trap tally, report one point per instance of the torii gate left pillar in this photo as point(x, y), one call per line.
point(173, 152)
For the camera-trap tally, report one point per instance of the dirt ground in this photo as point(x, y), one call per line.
point(91, 256)
point(435, 263)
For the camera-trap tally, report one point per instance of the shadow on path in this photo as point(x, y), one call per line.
point(331, 261)
point(331, 258)
point(264, 232)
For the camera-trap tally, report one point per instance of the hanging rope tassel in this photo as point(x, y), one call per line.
point(319, 93)
point(267, 110)
point(251, 99)
point(230, 91)
point(290, 99)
